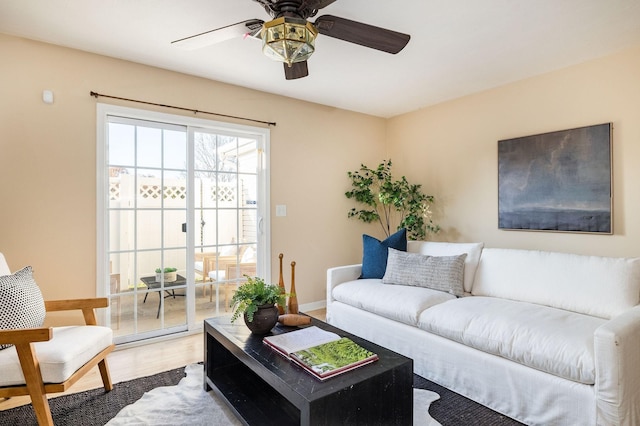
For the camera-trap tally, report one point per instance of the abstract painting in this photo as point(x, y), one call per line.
point(558, 181)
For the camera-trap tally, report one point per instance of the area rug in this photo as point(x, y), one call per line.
point(129, 403)
point(94, 407)
point(184, 404)
point(188, 404)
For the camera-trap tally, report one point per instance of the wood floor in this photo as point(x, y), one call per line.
point(140, 360)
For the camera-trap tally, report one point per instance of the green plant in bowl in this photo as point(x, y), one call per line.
point(255, 293)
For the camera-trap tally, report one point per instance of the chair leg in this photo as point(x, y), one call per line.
point(226, 297)
point(210, 287)
point(119, 312)
point(33, 379)
point(41, 407)
point(106, 377)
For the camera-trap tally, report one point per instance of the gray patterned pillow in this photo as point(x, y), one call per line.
point(443, 273)
point(21, 302)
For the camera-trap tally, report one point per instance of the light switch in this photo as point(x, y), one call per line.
point(281, 210)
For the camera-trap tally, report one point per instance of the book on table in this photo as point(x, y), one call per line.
point(322, 353)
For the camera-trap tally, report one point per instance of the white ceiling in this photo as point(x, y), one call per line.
point(457, 47)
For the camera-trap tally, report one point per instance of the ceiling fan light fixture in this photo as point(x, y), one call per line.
point(288, 39)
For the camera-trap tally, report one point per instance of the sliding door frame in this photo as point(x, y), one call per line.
point(262, 135)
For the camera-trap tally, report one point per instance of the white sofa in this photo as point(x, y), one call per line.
point(545, 338)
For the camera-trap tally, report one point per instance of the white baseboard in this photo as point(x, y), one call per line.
point(313, 306)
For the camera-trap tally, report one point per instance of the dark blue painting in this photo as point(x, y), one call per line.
point(558, 181)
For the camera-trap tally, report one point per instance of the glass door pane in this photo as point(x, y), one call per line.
point(225, 216)
point(148, 202)
point(181, 200)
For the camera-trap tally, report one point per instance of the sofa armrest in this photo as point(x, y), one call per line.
point(339, 275)
point(617, 364)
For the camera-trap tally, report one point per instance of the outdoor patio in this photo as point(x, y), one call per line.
point(172, 312)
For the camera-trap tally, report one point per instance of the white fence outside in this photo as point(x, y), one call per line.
point(229, 217)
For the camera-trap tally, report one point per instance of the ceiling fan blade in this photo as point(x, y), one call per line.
point(362, 34)
point(296, 70)
point(248, 28)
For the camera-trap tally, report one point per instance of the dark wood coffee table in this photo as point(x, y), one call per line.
point(264, 388)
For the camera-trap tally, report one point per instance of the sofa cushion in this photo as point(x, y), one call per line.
point(442, 273)
point(21, 302)
point(552, 340)
point(68, 350)
point(375, 252)
point(473, 251)
point(592, 285)
point(396, 302)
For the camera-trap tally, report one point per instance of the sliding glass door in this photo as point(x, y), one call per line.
point(181, 218)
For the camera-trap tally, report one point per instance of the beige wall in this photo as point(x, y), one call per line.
point(451, 149)
point(48, 172)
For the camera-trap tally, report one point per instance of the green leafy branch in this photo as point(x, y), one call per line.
point(387, 201)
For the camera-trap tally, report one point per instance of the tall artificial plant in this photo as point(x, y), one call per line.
point(390, 201)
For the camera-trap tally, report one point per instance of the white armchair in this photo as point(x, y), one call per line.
point(41, 360)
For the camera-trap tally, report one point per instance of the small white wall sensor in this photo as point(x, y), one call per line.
point(47, 97)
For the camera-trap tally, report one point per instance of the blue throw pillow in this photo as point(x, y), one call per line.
point(375, 252)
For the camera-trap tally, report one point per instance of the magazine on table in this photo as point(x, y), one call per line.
point(319, 352)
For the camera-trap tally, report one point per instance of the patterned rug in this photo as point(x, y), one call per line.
point(170, 398)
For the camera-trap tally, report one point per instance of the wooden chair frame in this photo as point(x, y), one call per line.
point(238, 270)
point(213, 261)
point(23, 339)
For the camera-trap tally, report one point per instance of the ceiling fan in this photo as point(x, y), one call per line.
point(290, 37)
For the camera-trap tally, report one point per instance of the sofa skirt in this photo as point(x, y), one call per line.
point(525, 394)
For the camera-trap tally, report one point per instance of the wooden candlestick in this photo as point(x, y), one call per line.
point(281, 285)
point(293, 299)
